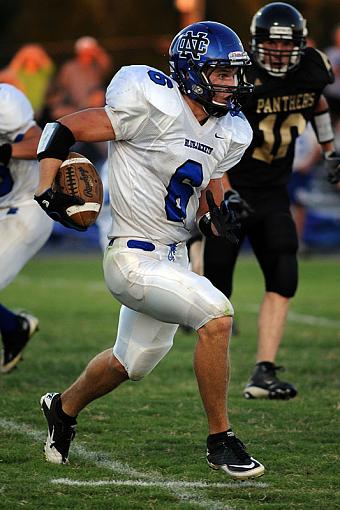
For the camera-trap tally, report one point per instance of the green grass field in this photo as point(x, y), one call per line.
point(143, 446)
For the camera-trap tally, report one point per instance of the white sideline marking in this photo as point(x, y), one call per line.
point(181, 490)
point(161, 484)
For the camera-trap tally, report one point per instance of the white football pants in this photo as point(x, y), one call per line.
point(158, 292)
point(23, 231)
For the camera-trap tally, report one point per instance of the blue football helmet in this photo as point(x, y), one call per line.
point(197, 49)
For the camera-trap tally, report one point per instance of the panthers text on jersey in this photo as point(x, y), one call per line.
point(163, 157)
point(278, 112)
point(19, 180)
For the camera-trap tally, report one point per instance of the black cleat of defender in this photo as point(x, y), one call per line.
point(15, 343)
point(230, 455)
point(265, 384)
point(60, 434)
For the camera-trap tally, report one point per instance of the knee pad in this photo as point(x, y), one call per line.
point(140, 360)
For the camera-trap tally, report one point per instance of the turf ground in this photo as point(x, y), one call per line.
point(143, 446)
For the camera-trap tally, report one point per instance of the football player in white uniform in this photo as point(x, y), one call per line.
point(171, 140)
point(23, 227)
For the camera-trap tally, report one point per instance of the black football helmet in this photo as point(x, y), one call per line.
point(273, 22)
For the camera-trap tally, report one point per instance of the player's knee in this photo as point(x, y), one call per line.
point(140, 361)
point(226, 307)
point(117, 365)
point(222, 308)
point(218, 313)
point(284, 279)
point(221, 327)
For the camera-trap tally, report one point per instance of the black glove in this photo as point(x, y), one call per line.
point(223, 218)
point(55, 204)
point(5, 153)
point(332, 162)
point(237, 204)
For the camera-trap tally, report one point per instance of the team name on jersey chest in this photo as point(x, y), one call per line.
point(285, 103)
point(198, 146)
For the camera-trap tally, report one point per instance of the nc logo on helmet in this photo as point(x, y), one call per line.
point(194, 45)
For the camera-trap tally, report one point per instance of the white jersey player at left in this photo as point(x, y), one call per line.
point(171, 139)
point(23, 227)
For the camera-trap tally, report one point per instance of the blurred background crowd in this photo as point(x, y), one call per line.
point(62, 55)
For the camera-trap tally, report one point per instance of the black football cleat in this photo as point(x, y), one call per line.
point(229, 455)
point(265, 384)
point(60, 434)
point(15, 343)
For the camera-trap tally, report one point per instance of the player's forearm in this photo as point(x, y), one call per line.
point(327, 147)
point(27, 148)
point(48, 170)
point(226, 183)
point(215, 186)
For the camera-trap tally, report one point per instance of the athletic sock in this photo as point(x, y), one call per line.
point(69, 420)
point(266, 364)
point(220, 436)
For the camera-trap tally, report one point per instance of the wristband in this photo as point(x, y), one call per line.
point(323, 127)
point(55, 141)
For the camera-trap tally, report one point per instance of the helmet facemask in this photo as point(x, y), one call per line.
point(278, 62)
point(194, 81)
point(212, 104)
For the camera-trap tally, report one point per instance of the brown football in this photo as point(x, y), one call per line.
point(78, 177)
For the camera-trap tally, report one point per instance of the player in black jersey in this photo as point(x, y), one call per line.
point(288, 83)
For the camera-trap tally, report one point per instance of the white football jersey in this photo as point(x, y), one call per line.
point(163, 157)
point(19, 181)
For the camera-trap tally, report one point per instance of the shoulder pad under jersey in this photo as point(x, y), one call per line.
point(136, 82)
point(317, 66)
point(161, 91)
point(238, 125)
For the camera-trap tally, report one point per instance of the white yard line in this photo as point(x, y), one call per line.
point(161, 484)
point(184, 491)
